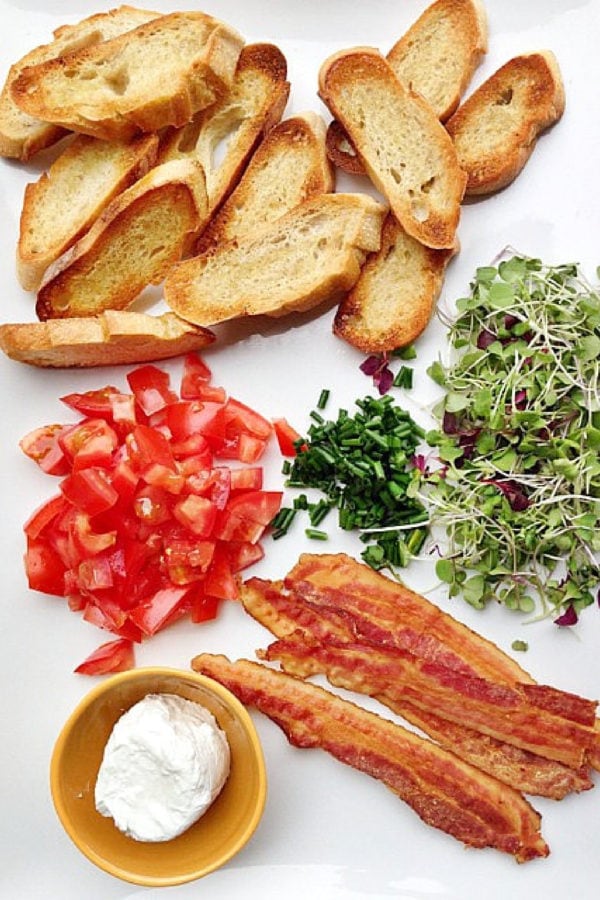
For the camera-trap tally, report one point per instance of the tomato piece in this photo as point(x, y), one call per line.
point(147, 446)
point(247, 478)
point(203, 607)
point(114, 656)
point(89, 490)
point(287, 437)
point(196, 513)
point(44, 568)
point(151, 388)
point(195, 375)
point(124, 480)
point(247, 515)
point(85, 542)
point(111, 617)
point(242, 554)
point(239, 418)
point(187, 560)
point(195, 445)
point(43, 446)
point(91, 442)
point(95, 574)
point(153, 612)
point(44, 516)
point(152, 505)
point(106, 403)
point(220, 581)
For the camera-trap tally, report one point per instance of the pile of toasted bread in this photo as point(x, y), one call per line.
point(178, 168)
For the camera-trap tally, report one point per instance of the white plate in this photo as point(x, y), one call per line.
point(328, 831)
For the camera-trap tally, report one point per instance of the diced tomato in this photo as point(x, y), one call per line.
point(287, 437)
point(107, 403)
point(95, 574)
point(152, 505)
point(187, 560)
point(196, 513)
point(153, 612)
point(247, 515)
point(149, 447)
point(146, 528)
point(114, 656)
point(195, 381)
point(85, 541)
point(43, 446)
point(124, 480)
point(242, 554)
point(195, 375)
point(204, 607)
point(247, 478)
point(220, 581)
point(151, 388)
point(91, 442)
point(195, 445)
point(89, 490)
point(239, 418)
point(44, 568)
point(44, 516)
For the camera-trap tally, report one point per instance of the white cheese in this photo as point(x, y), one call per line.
point(164, 764)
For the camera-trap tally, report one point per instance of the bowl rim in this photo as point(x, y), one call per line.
point(138, 674)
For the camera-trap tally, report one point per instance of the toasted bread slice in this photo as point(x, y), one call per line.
point(311, 255)
point(21, 135)
point(158, 74)
point(112, 338)
point(223, 137)
point(64, 202)
point(435, 58)
point(496, 128)
point(394, 298)
point(440, 52)
point(289, 166)
point(133, 243)
point(406, 152)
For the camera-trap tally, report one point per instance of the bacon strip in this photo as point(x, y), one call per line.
point(380, 602)
point(406, 618)
point(286, 615)
point(496, 710)
point(444, 791)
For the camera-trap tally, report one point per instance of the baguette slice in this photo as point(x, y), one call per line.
point(440, 52)
point(132, 245)
point(289, 167)
point(22, 135)
point(406, 152)
point(311, 255)
point(393, 300)
point(435, 58)
point(64, 202)
point(159, 74)
point(223, 137)
point(496, 128)
point(114, 337)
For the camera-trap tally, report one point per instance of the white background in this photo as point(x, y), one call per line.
point(327, 832)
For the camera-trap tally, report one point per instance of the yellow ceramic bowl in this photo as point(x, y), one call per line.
point(214, 839)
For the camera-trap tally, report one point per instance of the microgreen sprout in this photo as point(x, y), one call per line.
point(518, 491)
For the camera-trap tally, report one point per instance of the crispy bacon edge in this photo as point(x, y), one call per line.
point(444, 791)
point(286, 615)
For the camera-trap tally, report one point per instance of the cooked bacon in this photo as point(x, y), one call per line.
point(406, 619)
point(284, 615)
point(499, 711)
point(444, 791)
point(345, 584)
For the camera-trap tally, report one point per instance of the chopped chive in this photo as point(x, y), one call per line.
point(323, 399)
point(316, 535)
